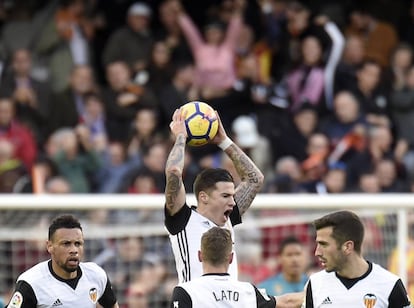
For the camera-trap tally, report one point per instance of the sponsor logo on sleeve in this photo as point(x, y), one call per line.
point(16, 300)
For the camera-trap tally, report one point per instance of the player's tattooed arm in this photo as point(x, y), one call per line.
point(251, 177)
point(174, 188)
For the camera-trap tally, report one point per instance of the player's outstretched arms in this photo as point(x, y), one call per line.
point(174, 188)
point(252, 178)
point(290, 300)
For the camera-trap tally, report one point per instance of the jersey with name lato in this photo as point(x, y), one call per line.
point(40, 287)
point(186, 228)
point(378, 288)
point(219, 290)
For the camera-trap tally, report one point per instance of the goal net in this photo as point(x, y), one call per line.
point(126, 236)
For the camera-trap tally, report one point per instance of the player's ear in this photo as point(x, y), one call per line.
point(200, 256)
point(348, 246)
point(49, 246)
point(203, 197)
point(231, 258)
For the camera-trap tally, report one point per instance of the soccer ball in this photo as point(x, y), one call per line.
point(201, 123)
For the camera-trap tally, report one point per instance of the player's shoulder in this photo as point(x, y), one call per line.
point(91, 267)
point(35, 273)
point(321, 274)
point(382, 273)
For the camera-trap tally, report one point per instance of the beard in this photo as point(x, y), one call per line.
point(337, 263)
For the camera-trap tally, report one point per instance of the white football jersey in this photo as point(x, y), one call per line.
point(186, 244)
point(372, 290)
point(53, 293)
point(215, 290)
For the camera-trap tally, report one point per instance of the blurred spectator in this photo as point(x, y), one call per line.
point(177, 92)
point(402, 108)
point(19, 27)
point(395, 76)
point(386, 172)
point(368, 183)
point(74, 165)
point(352, 58)
point(248, 46)
point(314, 167)
point(380, 37)
point(123, 97)
point(145, 131)
point(143, 183)
point(333, 181)
point(257, 147)
point(214, 55)
point(57, 185)
point(312, 80)
point(93, 118)
point(31, 97)
point(133, 42)
point(11, 169)
point(115, 165)
point(347, 115)
point(64, 41)
point(293, 264)
point(287, 176)
point(133, 271)
point(68, 106)
point(160, 67)
point(373, 97)
point(293, 139)
point(380, 145)
point(170, 32)
point(34, 182)
point(154, 157)
point(21, 137)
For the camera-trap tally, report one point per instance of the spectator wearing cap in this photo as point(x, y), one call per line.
point(133, 42)
point(255, 145)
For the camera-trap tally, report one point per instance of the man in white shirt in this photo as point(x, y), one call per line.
point(64, 281)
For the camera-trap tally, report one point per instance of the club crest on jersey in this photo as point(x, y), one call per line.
point(370, 300)
point(16, 301)
point(93, 295)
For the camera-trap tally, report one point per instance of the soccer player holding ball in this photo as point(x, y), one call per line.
point(219, 202)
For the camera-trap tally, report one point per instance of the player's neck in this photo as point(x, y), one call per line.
point(215, 269)
point(292, 277)
point(354, 268)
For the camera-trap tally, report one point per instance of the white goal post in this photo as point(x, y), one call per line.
point(400, 204)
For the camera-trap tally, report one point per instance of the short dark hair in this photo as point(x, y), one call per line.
point(346, 226)
point(288, 241)
point(206, 180)
point(65, 221)
point(216, 246)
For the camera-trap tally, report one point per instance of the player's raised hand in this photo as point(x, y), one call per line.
point(221, 133)
point(177, 125)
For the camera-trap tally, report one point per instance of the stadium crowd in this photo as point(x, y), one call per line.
point(320, 94)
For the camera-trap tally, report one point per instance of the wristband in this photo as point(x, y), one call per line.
point(225, 143)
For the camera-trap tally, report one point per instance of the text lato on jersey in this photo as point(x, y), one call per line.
point(226, 295)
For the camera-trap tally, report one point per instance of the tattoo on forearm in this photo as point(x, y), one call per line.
point(251, 176)
point(245, 167)
point(176, 157)
point(172, 189)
